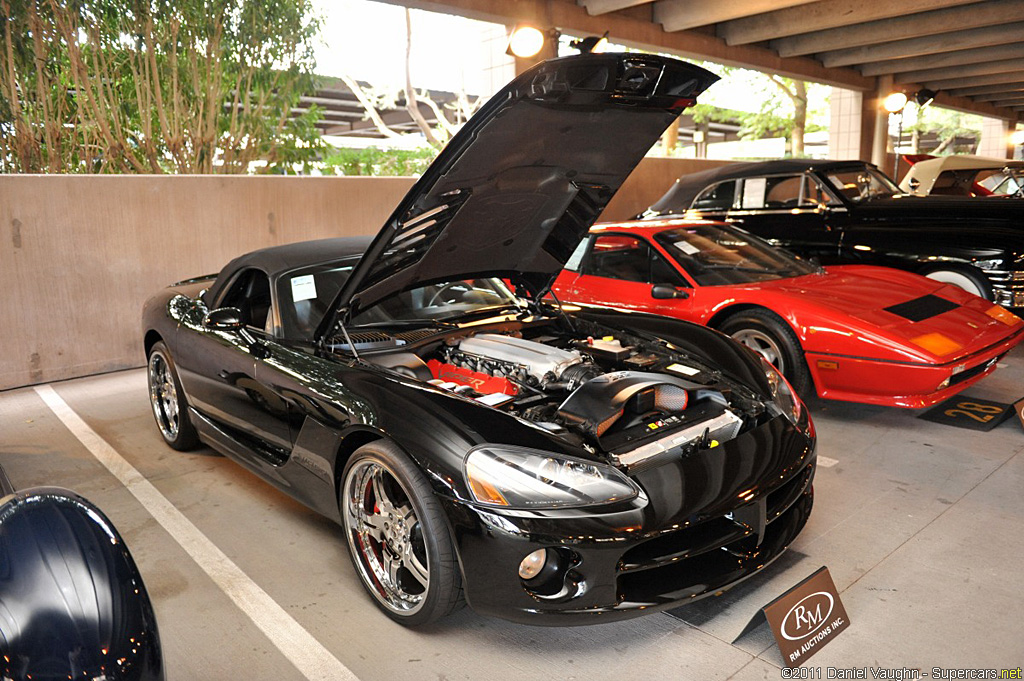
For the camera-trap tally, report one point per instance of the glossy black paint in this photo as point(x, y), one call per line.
point(918, 234)
point(72, 601)
point(293, 411)
point(631, 560)
point(333, 405)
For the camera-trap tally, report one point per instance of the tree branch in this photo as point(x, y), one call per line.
point(411, 104)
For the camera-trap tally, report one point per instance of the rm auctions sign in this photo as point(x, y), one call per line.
point(806, 617)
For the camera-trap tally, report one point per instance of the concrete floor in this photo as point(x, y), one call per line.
point(920, 525)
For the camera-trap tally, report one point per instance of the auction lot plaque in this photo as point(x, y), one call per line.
point(807, 617)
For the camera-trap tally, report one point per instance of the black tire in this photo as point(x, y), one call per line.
point(767, 334)
point(394, 525)
point(971, 282)
point(167, 399)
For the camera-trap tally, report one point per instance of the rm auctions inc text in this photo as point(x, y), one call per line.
point(898, 674)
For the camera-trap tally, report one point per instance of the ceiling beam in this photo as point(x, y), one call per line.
point(956, 84)
point(633, 28)
point(1011, 68)
point(820, 16)
point(987, 89)
point(599, 7)
point(948, 101)
point(899, 28)
point(915, 47)
point(1010, 101)
point(1008, 93)
point(679, 15)
point(943, 59)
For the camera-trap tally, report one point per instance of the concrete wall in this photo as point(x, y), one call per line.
point(80, 254)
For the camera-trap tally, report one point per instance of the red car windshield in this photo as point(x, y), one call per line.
point(714, 255)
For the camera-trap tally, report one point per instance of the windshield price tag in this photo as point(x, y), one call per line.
point(303, 288)
point(686, 247)
point(753, 192)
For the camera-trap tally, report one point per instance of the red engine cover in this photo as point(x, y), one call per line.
point(482, 383)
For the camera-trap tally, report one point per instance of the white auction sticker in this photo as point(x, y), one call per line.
point(303, 288)
point(682, 369)
point(753, 192)
point(686, 247)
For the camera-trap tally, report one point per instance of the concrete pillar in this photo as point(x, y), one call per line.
point(995, 138)
point(498, 67)
point(844, 133)
point(880, 143)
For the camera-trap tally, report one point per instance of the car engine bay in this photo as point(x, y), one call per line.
point(634, 399)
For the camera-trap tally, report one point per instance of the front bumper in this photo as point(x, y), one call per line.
point(1007, 287)
point(899, 384)
point(734, 511)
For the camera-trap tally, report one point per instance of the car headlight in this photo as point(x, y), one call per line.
point(783, 396)
point(519, 478)
point(993, 264)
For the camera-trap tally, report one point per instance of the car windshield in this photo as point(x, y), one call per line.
point(862, 184)
point(445, 301)
point(305, 294)
point(1008, 182)
point(715, 255)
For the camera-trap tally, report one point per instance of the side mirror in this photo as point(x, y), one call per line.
point(667, 292)
point(224, 319)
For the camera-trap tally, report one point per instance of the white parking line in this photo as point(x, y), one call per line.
point(311, 658)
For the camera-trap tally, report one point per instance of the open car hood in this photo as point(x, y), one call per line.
point(514, 192)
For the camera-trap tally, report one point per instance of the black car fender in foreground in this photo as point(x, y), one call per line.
point(72, 601)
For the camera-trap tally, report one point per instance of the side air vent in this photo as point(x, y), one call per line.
point(922, 308)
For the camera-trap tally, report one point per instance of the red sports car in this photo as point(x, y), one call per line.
point(853, 332)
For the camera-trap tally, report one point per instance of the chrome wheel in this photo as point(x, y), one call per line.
point(163, 396)
point(386, 537)
point(762, 344)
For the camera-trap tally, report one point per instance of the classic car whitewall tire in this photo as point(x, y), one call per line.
point(967, 282)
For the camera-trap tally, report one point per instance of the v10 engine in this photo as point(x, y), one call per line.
point(522, 361)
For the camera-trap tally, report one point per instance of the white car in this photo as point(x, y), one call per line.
point(978, 176)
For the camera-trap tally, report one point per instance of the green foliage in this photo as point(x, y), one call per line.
point(788, 108)
point(155, 85)
point(376, 161)
point(949, 126)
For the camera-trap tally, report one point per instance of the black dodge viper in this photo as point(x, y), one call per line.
point(477, 441)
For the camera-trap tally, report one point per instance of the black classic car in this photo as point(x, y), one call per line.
point(849, 212)
point(475, 442)
point(72, 601)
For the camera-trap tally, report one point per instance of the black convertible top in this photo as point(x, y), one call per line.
point(277, 259)
point(685, 190)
